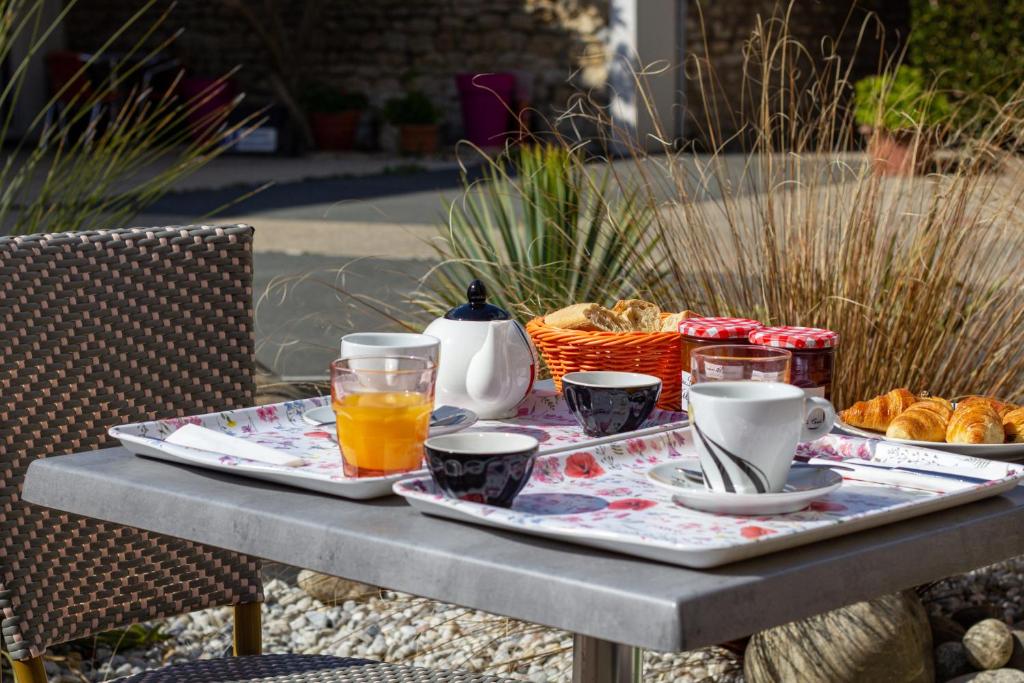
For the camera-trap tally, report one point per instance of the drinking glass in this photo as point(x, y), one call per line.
point(382, 407)
point(736, 362)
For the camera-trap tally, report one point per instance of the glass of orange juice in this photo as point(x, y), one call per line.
point(382, 406)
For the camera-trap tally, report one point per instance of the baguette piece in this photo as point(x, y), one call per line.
point(671, 323)
point(640, 315)
point(879, 412)
point(587, 316)
point(975, 422)
point(1013, 426)
point(925, 420)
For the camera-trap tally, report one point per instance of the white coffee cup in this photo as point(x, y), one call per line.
point(746, 433)
point(377, 344)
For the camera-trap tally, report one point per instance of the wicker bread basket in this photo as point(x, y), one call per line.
point(652, 353)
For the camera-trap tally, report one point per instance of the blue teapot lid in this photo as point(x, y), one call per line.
point(477, 307)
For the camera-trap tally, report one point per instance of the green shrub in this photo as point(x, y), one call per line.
point(972, 47)
point(899, 101)
point(324, 99)
point(545, 229)
point(414, 108)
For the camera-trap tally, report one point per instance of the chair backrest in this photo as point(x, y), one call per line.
point(96, 329)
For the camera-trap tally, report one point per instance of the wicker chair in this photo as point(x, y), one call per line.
point(105, 327)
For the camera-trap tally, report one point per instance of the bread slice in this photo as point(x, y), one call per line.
point(587, 317)
point(671, 323)
point(639, 315)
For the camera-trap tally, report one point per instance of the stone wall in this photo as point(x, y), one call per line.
point(381, 47)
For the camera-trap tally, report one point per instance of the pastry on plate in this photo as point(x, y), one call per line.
point(925, 420)
point(975, 422)
point(1013, 426)
point(879, 412)
point(1001, 408)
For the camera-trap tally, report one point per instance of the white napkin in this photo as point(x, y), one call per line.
point(201, 438)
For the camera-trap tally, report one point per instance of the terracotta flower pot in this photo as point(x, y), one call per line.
point(418, 138)
point(336, 130)
point(893, 154)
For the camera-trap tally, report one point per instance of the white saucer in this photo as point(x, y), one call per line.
point(452, 419)
point(803, 485)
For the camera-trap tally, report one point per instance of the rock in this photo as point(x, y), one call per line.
point(945, 630)
point(886, 639)
point(318, 619)
point(331, 590)
point(989, 644)
point(994, 676)
point(950, 661)
point(972, 614)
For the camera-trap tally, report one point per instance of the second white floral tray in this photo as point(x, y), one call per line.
point(602, 497)
point(280, 426)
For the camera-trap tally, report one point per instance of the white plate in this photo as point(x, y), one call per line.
point(1010, 452)
point(803, 484)
point(456, 419)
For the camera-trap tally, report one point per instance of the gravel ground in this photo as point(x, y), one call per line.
point(387, 626)
point(401, 628)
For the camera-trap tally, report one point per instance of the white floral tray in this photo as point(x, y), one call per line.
point(280, 426)
point(602, 497)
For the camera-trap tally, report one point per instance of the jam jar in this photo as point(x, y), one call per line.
point(698, 332)
point(813, 352)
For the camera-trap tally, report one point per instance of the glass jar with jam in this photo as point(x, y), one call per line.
point(698, 332)
point(813, 352)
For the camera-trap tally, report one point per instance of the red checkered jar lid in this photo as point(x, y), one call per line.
point(718, 328)
point(795, 337)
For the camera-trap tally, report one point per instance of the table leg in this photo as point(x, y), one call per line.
point(602, 661)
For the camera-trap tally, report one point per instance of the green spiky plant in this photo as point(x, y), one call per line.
point(544, 229)
point(100, 173)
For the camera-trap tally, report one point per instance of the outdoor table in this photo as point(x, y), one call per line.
point(613, 603)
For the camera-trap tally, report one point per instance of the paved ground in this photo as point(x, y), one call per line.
point(324, 245)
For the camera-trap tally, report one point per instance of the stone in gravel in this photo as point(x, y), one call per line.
point(950, 661)
point(318, 619)
point(972, 614)
point(994, 676)
point(945, 630)
point(886, 639)
point(989, 644)
point(331, 590)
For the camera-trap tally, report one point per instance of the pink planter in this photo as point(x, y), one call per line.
point(214, 94)
point(487, 104)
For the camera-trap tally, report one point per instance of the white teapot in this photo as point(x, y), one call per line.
point(488, 363)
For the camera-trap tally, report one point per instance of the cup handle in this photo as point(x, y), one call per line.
point(819, 416)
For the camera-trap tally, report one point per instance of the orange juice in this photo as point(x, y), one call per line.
point(382, 433)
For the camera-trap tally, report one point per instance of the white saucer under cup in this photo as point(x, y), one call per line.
point(746, 433)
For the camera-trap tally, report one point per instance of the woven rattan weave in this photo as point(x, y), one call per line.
point(101, 328)
point(301, 669)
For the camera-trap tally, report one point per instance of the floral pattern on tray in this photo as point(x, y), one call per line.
point(601, 496)
point(280, 426)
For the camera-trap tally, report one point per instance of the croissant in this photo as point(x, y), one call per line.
point(925, 420)
point(879, 412)
point(975, 422)
point(1013, 426)
point(1001, 408)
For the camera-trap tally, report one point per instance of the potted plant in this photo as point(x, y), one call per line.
point(416, 118)
point(902, 115)
point(333, 115)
